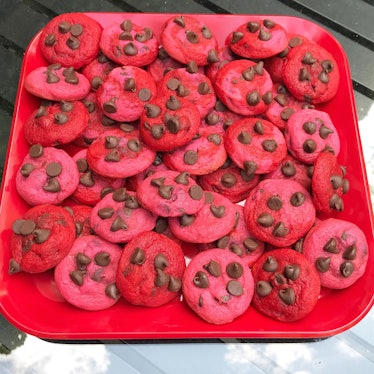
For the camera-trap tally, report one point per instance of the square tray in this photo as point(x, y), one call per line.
point(33, 304)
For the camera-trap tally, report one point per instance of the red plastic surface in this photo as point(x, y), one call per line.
point(33, 304)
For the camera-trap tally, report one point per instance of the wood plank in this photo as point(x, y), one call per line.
point(59, 6)
point(170, 6)
point(5, 120)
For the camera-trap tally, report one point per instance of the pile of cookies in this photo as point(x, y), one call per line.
point(142, 145)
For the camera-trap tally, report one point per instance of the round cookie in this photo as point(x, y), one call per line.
point(338, 250)
point(56, 124)
point(150, 270)
point(71, 39)
point(255, 145)
point(215, 219)
point(309, 132)
point(47, 176)
point(118, 217)
point(170, 194)
point(230, 181)
point(287, 286)
point(328, 183)
point(311, 73)
point(57, 83)
point(41, 238)
point(86, 277)
point(258, 39)
point(129, 44)
point(218, 286)
point(125, 92)
point(119, 153)
point(279, 211)
point(185, 38)
point(168, 122)
point(192, 85)
point(92, 186)
point(244, 86)
point(202, 155)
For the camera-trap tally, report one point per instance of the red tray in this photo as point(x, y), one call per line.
point(33, 304)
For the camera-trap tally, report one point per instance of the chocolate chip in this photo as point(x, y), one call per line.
point(144, 94)
point(350, 252)
point(263, 288)
point(269, 145)
point(141, 38)
point(331, 246)
point(161, 278)
point(173, 103)
point(270, 264)
point(244, 137)
point(161, 225)
point(346, 269)
point(130, 49)
point(112, 291)
point(264, 35)
point(223, 242)
point(105, 191)
point(77, 276)
point(26, 169)
point(265, 220)
point(336, 181)
point(52, 78)
point(280, 230)
point(201, 280)
point(161, 261)
point(212, 56)
point(324, 77)
point(274, 203)
point(327, 66)
point(192, 37)
point(157, 131)
point(186, 220)
point(82, 260)
point(234, 288)
point(259, 68)
point(52, 185)
point(130, 85)
point(323, 264)
point(215, 139)
point(73, 43)
point(253, 26)
point(105, 213)
point(196, 192)
point(325, 131)
point(152, 110)
point(250, 244)
point(308, 59)
point(267, 98)
point(213, 268)
point(212, 119)
point(236, 37)
point(179, 21)
point(53, 169)
point(258, 128)
point(309, 127)
point(118, 224)
point(125, 35)
point(113, 156)
point(166, 192)
point(218, 211)
point(190, 157)
point(36, 150)
point(286, 113)
point(203, 88)
point(309, 146)
point(253, 98)
point(110, 106)
point(137, 257)
point(182, 178)
point(157, 182)
point(126, 25)
point(206, 32)
point(174, 285)
point(281, 99)
point(119, 195)
point(288, 169)
point(134, 145)
point(209, 197)
point(304, 75)
point(76, 29)
point(297, 199)
point(173, 83)
point(228, 180)
point(27, 227)
point(50, 40)
point(111, 141)
point(336, 203)
point(287, 295)
point(234, 270)
point(192, 67)
point(102, 258)
point(291, 271)
point(248, 74)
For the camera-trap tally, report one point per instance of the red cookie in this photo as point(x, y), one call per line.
point(86, 277)
point(118, 217)
point(92, 186)
point(129, 44)
point(170, 194)
point(255, 145)
point(56, 124)
point(258, 39)
point(57, 83)
point(218, 286)
point(81, 216)
point(338, 250)
point(287, 286)
point(311, 73)
point(168, 122)
point(328, 183)
point(125, 92)
point(309, 132)
point(150, 270)
point(215, 219)
point(47, 176)
point(41, 239)
point(279, 212)
point(244, 86)
point(202, 155)
point(186, 39)
point(230, 181)
point(70, 39)
point(119, 153)
point(192, 85)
